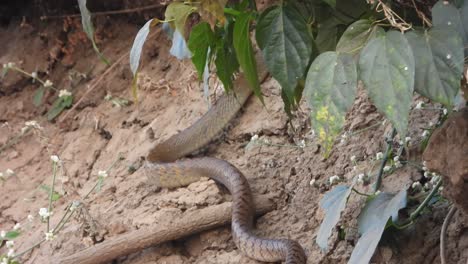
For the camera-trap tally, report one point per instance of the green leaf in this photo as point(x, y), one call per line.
point(177, 13)
point(244, 52)
point(55, 195)
point(135, 52)
point(226, 63)
point(444, 14)
point(357, 35)
point(332, 3)
point(286, 43)
point(330, 89)
point(201, 38)
point(88, 28)
point(327, 35)
point(372, 222)
point(38, 95)
point(439, 63)
point(386, 67)
point(333, 203)
point(58, 106)
point(12, 234)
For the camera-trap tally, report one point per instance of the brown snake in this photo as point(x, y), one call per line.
point(164, 170)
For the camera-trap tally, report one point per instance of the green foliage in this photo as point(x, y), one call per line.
point(55, 195)
point(200, 40)
point(357, 35)
point(38, 95)
point(330, 89)
point(387, 69)
point(226, 61)
point(245, 53)
point(88, 28)
point(444, 14)
point(438, 67)
point(283, 36)
point(372, 222)
point(333, 203)
point(58, 106)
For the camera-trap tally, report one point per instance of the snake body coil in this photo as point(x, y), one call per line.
point(164, 170)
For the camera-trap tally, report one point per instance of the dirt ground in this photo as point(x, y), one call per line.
point(90, 137)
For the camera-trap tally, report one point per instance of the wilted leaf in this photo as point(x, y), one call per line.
point(244, 52)
point(286, 43)
point(386, 67)
point(333, 203)
point(38, 95)
point(446, 15)
point(177, 13)
point(135, 52)
point(439, 63)
point(357, 35)
point(88, 27)
point(201, 38)
point(179, 47)
point(330, 89)
point(212, 11)
point(372, 222)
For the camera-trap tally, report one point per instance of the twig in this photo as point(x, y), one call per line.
point(188, 224)
point(443, 258)
point(389, 141)
point(114, 12)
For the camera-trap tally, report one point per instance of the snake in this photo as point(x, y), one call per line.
point(165, 168)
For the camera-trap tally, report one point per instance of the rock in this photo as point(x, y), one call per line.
point(447, 154)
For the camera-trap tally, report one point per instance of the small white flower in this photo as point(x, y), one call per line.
point(1, 175)
point(2, 234)
point(49, 236)
point(387, 168)
point(435, 179)
point(254, 138)
point(4, 261)
point(32, 124)
point(396, 158)
point(74, 205)
point(48, 83)
point(419, 105)
point(334, 179)
point(17, 226)
point(11, 253)
point(416, 185)
point(354, 168)
point(449, 56)
point(398, 164)
point(406, 68)
point(64, 93)
point(449, 23)
point(407, 139)
point(301, 144)
point(427, 186)
point(424, 163)
point(361, 178)
point(44, 213)
point(427, 175)
point(312, 183)
point(34, 75)
point(441, 188)
point(445, 111)
point(102, 174)
point(10, 65)
point(353, 158)
point(425, 134)
point(377, 192)
point(379, 155)
point(55, 158)
point(10, 244)
point(30, 218)
point(9, 172)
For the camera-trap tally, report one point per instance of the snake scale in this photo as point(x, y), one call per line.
point(164, 169)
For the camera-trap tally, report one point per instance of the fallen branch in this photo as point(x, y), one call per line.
point(188, 224)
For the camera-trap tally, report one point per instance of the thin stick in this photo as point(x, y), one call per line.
point(105, 13)
point(443, 258)
point(188, 224)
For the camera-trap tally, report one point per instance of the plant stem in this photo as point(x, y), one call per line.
point(29, 249)
point(360, 193)
point(389, 139)
point(51, 194)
